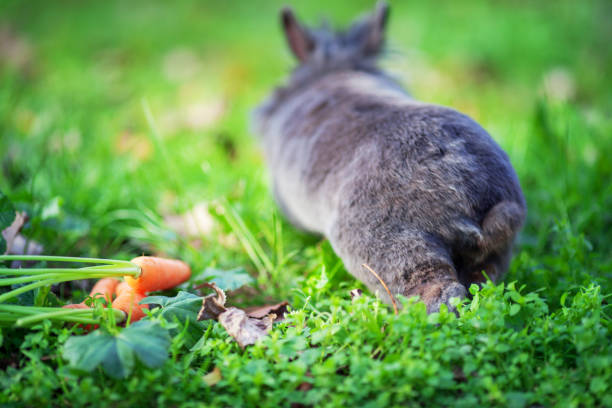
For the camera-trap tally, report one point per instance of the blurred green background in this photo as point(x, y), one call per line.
point(99, 176)
point(124, 129)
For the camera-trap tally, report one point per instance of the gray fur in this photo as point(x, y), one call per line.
point(421, 193)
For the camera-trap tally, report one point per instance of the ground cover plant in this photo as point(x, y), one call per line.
point(124, 131)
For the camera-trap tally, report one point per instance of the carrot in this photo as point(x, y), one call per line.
point(158, 274)
point(105, 287)
point(76, 306)
point(127, 300)
point(122, 287)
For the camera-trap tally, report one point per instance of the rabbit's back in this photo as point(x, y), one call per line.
point(352, 137)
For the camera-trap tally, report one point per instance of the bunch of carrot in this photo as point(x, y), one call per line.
point(155, 274)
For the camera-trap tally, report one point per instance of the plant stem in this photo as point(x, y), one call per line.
point(56, 276)
point(49, 276)
point(64, 259)
point(109, 270)
point(15, 292)
point(63, 315)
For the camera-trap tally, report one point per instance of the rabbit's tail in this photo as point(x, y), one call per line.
point(494, 235)
point(500, 225)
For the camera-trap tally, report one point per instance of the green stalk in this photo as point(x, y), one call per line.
point(33, 314)
point(63, 314)
point(248, 241)
point(49, 276)
point(5, 296)
point(64, 259)
point(53, 278)
point(28, 321)
point(39, 277)
point(56, 276)
point(108, 269)
point(17, 309)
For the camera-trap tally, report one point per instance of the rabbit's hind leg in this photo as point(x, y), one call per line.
point(430, 273)
point(494, 267)
point(438, 290)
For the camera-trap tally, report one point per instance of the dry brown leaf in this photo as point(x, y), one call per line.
point(213, 377)
point(306, 386)
point(137, 145)
point(559, 84)
point(15, 50)
point(244, 329)
point(181, 64)
point(23, 246)
point(192, 224)
point(259, 312)
point(12, 231)
point(200, 115)
point(212, 305)
point(356, 294)
point(203, 114)
point(17, 244)
point(229, 241)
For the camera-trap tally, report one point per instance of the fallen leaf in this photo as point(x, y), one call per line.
point(194, 116)
point(203, 114)
point(229, 241)
point(69, 141)
point(244, 329)
point(356, 294)
point(181, 64)
point(559, 85)
point(10, 233)
point(259, 312)
point(137, 145)
point(212, 305)
point(17, 244)
point(7, 215)
point(306, 386)
point(194, 223)
point(15, 50)
point(213, 377)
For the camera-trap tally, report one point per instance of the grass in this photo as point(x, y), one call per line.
point(121, 114)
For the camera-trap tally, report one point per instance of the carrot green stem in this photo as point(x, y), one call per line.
point(18, 309)
point(63, 259)
point(65, 314)
point(27, 315)
point(22, 289)
point(48, 276)
point(61, 277)
point(108, 270)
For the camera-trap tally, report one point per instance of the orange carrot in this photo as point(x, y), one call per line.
point(105, 287)
point(81, 305)
point(158, 274)
point(122, 287)
point(127, 300)
point(76, 306)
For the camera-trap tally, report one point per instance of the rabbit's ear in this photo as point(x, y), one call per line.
point(298, 38)
point(376, 29)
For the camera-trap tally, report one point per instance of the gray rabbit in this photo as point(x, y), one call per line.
point(419, 192)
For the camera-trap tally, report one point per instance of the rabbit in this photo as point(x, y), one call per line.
point(418, 192)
